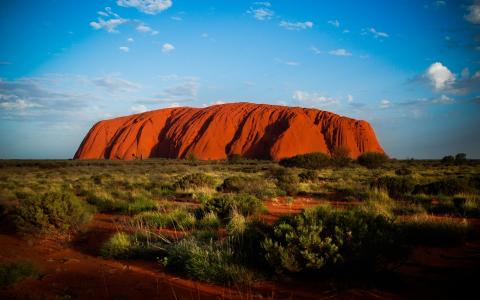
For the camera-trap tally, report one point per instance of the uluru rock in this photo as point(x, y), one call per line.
point(216, 132)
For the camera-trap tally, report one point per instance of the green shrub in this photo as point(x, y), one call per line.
point(449, 159)
point(255, 186)
point(177, 219)
point(323, 238)
point(11, 273)
point(287, 181)
point(446, 186)
point(194, 181)
point(397, 187)
point(136, 245)
point(224, 205)
point(105, 202)
point(60, 211)
point(248, 243)
point(403, 171)
point(372, 160)
point(308, 175)
point(425, 230)
point(460, 158)
point(314, 160)
point(235, 158)
point(210, 262)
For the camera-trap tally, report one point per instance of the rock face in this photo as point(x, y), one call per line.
point(215, 132)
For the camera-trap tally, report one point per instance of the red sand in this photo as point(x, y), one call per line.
point(215, 132)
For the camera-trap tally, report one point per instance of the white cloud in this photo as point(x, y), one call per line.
point(340, 52)
point(111, 24)
point(115, 84)
point(18, 104)
point(292, 63)
point(130, 40)
point(146, 29)
point(315, 50)
point(349, 98)
point(473, 15)
point(296, 25)
point(173, 105)
point(376, 34)
point(151, 7)
point(385, 103)
point(167, 47)
point(176, 18)
point(140, 108)
point(440, 76)
point(124, 49)
point(443, 100)
point(261, 11)
point(334, 23)
point(312, 98)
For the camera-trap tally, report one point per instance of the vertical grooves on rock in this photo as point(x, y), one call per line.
point(252, 130)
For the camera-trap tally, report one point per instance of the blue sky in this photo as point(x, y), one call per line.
point(411, 68)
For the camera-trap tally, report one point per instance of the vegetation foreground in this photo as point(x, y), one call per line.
point(246, 225)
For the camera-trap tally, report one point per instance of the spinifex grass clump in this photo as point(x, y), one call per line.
point(16, 271)
point(179, 219)
point(61, 211)
point(139, 244)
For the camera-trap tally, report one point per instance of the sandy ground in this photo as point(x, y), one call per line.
point(72, 269)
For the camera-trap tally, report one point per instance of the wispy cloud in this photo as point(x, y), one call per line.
point(167, 48)
point(146, 29)
point(473, 15)
point(151, 7)
point(340, 52)
point(110, 24)
point(385, 103)
point(124, 49)
point(296, 25)
point(334, 23)
point(313, 98)
point(261, 11)
point(375, 33)
point(315, 50)
point(138, 108)
point(114, 84)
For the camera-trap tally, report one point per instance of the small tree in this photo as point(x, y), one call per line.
point(448, 159)
point(372, 160)
point(460, 158)
point(341, 156)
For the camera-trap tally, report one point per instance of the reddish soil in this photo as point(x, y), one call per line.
point(72, 269)
point(215, 132)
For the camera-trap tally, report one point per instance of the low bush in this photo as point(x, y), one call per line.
point(372, 160)
point(314, 160)
point(256, 186)
point(397, 187)
point(195, 181)
point(327, 239)
point(403, 171)
point(308, 176)
point(431, 231)
point(11, 273)
point(224, 205)
point(211, 262)
point(287, 181)
point(209, 220)
point(446, 186)
point(61, 211)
